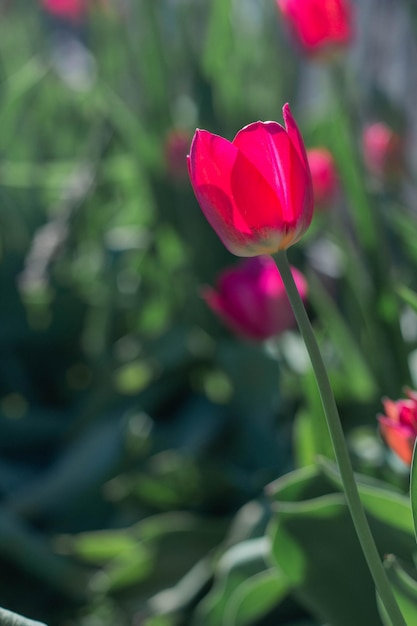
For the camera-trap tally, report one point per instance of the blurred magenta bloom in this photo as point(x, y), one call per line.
point(320, 26)
point(399, 425)
point(324, 176)
point(383, 150)
point(255, 191)
point(177, 144)
point(250, 298)
point(73, 10)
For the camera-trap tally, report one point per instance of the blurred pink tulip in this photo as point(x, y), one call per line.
point(383, 150)
point(250, 298)
point(73, 10)
point(320, 26)
point(399, 425)
point(177, 145)
point(324, 176)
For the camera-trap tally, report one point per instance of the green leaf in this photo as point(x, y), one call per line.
point(315, 544)
point(405, 591)
point(100, 546)
point(128, 569)
point(321, 440)
point(255, 597)
point(305, 451)
point(386, 505)
point(409, 296)
point(237, 565)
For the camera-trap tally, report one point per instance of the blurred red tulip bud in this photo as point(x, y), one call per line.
point(383, 151)
point(177, 145)
point(324, 176)
point(73, 10)
point(250, 298)
point(319, 26)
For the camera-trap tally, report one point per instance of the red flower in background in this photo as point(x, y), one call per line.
point(319, 25)
point(383, 150)
point(399, 425)
point(255, 191)
point(177, 144)
point(73, 10)
point(323, 175)
point(251, 300)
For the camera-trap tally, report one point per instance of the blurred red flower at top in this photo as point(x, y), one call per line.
point(319, 25)
point(383, 150)
point(250, 298)
point(73, 10)
point(324, 176)
point(255, 191)
point(399, 425)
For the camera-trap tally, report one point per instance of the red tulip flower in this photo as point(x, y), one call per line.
point(324, 176)
point(383, 150)
point(251, 300)
point(319, 25)
point(399, 425)
point(255, 191)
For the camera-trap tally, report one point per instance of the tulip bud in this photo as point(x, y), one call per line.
point(71, 10)
point(177, 144)
point(250, 298)
point(319, 26)
point(324, 176)
point(383, 151)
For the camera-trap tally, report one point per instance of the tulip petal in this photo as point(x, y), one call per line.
point(398, 439)
point(269, 148)
point(210, 165)
point(294, 134)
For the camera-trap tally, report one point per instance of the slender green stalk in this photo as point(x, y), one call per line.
point(341, 452)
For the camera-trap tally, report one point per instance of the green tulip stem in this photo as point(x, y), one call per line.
point(341, 452)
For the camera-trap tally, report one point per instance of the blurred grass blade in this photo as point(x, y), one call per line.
point(360, 378)
point(219, 37)
point(409, 296)
point(16, 88)
point(129, 125)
